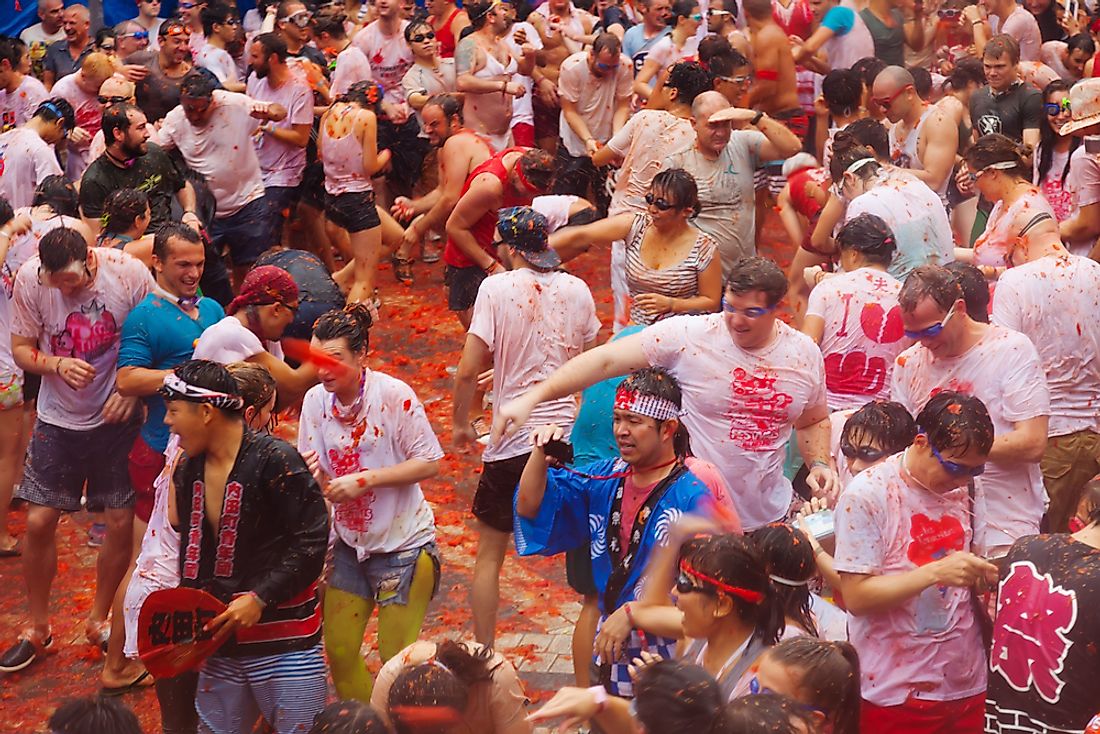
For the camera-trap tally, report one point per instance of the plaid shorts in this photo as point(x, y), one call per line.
point(60, 461)
point(620, 683)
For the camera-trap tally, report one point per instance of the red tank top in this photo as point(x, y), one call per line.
point(796, 20)
point(446, 37)
point(484, 229)
point(805, 204)
point(1096, 64)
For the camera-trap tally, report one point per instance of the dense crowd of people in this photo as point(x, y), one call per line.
point(861, 495)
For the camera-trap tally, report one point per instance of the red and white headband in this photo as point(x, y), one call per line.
point(651, 406)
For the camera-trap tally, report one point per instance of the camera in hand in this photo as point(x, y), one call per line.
point(558, 450)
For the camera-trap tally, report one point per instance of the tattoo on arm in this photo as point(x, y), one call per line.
point(465, 56)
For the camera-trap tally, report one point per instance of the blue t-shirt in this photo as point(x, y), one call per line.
point(593, 437)
point(636, 46)
point(157, 335)
point(839, 20)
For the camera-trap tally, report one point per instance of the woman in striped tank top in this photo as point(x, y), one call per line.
point(671, 266)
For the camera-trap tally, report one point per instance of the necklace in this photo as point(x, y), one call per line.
point(350, 413)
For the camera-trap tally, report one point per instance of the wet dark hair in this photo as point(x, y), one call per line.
point(725, 64)
point(756, 273)
point(967, 71)
point(57, 108)
point(931, 281)
point(122, 208)
point(868, 68)
point(273, 43)
point(606, 41)
point(215, 14)
point(846, 151)
point(332, 25)
point(584, 216)
point(1047, 138)
point(975, 289)
point(680, 187)
point(9, 51)
point(449, 103)
point(478, 12)
point(94, 715)
point(360, 94)
point(689, 79)
point(59, 193)
point(348, 717)
point(538, 167)
point(1081, 42)
point(61, 247)
point(254, 383)
point(659, 383)
point(829, 677)
point(417, 22)
point(103, 34)
point(713, 45)
point(680, 9)
point(843, 92)
point(885, 422)
point(167, 232)
point(922, 81)
point(997, 148)
point(954, 420)
point(671, 697)
point(737, 561)
point(6, 212)
point(869, 235)
point(351, 323)
point(197, 85)
point(789, 557)
point(764, 713)
point(444, 681)
point(117, 117)
point(872, 133)
point(212, 376)
point(1000, 45)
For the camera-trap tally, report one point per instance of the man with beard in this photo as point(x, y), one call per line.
point(159, 91)
point(282, 149)
point(131, 162)
point(461, 150)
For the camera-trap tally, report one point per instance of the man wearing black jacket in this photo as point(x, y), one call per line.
point(253, 532)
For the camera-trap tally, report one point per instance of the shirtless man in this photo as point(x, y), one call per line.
point(486, 72)
point(461, 150)
point(923, 137)
point(558, 24)
point(774, 90)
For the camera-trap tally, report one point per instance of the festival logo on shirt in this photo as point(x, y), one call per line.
point(355, 515)
point(934, 539)
point(757, 409)
point(1029, 636)
point(89, 333)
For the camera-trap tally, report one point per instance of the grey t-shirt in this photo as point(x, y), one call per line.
point(726, 193)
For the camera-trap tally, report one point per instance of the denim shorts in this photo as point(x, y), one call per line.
point(382, 577)
point(462, 286)
point(247, 233)
point(60, 461)
point(353, 211)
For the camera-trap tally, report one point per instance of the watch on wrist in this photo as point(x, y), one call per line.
point(757, 118)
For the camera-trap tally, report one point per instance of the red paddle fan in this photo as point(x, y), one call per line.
point(302, 351)
point(171, 639)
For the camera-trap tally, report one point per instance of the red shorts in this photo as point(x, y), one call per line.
point(145, 466)
point(915, 716)
point(523, 134)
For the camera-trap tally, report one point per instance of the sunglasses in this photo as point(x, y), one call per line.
point(1055, 108)
point(956, 469)
point(293, 309)
point(139, 35)
point(684, 585)
point(188, 6)
point(661, 203)
point(421, 37)
point(752, 312)
point(735, 79)
point(112, 100)
point(934, 330)
point(230, 21)
point(697, 17)
point(868, 454)
point(712, 13)
point(756, 689)
point(606, 67)
point(300, 19)
point(885, 102)
point(949, 13)
point(107, 47)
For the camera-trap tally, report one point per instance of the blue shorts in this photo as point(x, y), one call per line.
point(288, 690)
point(247, 233)
point(384, 578)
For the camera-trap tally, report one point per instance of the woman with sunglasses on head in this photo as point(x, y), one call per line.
point(903, 537)
point(671, 267)
point(372, 444)
point(997, 169)
point(854, 315)
point(682, 44)
point(821, 678)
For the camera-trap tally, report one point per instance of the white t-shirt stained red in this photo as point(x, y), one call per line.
point(862, 337)
point(929, 647)
point(25, 159)
point(389, 56)
point(1003, 371)
point(532, 323)
point(739, 405)
point(230, 341)
point(391, 428)
point(85, 326)
point(221, 151)
point(19, 106)
point(281, 164)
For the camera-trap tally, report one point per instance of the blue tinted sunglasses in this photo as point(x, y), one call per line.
point(752, 312)
point(956, 469)
point(933, 330)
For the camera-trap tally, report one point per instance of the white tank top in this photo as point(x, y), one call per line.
point(904, 153)
point(343, 159)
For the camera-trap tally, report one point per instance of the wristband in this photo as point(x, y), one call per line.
point(757, 118)
point(57, 367)
point(819, 462)
point(599, 696)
